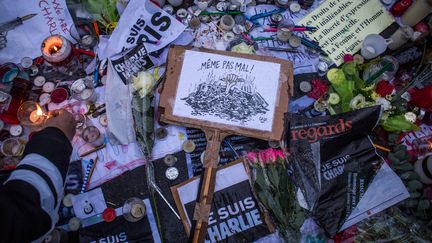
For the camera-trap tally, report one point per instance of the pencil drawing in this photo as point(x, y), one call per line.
point(230, 97)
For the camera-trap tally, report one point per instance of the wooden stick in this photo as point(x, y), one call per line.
point(207, 187)
point(381, 147)
point(93, 150)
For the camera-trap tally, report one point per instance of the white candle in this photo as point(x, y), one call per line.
point(85, 94)
point(56, 49)
point(34, 117)
point(48, 87)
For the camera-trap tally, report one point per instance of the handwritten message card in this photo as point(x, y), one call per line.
point(342, 25)
point(227, 90)
point(53, 18)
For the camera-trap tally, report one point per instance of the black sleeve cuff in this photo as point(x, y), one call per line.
point(52, 144)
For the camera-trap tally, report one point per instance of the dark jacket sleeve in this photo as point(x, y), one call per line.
point(38, 178)
point(53, 144)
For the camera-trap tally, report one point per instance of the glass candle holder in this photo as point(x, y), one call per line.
point(12, 147)
point(82, 89)
point(57, 50)
point(284, 30)
point(134, 209)
point(30, 113)
point(93, 136)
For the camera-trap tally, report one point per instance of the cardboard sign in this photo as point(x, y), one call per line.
point(342, 25)
point(235, 215)
point(224, 94)
point(232, 92)
point(53, 18)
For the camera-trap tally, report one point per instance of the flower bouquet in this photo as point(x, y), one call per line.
point(275, 191)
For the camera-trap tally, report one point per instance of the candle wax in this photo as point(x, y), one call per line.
point(86, 94)
point(34, 117)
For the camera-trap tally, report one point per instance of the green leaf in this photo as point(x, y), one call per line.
point(423, 205)
point(415, 195)
point(260, 180)
point(399, 147)
point(411, 203)
point(265, 198)
point(414, 185)
point(405, 167)
point(409, 175)
point(393, 137)
point(401, 155)
point(393, 159)
point(273, 176)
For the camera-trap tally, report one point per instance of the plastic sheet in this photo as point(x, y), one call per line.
point(333, 161)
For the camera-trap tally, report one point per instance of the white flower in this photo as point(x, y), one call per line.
point(358, 102)
point(385, 104)
point(143, 83)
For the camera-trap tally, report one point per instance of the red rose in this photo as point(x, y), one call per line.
point(319, 88)
point(384, 88)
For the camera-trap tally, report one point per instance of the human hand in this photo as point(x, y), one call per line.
point(62, 120)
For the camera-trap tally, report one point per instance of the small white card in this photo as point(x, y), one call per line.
point(89, 204)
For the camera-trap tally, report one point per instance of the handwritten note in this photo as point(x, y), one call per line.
point(53, 18)
point(342, 25)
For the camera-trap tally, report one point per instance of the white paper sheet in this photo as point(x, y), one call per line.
point(143, 21)
point(89, 204)
point(227, 90)
point(25, 40)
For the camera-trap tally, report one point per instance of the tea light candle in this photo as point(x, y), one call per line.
point(138, 210)
point(12, 147)
point(93, 136)
point(36, 115)
point(44, 99)
point(48, 87)
point(16, 130)
point(86, 94)
point(103, 120)
point(283, 34)
point(57, 50)
point(39, 81)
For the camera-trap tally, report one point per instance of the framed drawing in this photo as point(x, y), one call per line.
point(223, 93)
point(236, 93)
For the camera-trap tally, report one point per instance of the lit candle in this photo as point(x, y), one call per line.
point(36, 114)
point(56, 50)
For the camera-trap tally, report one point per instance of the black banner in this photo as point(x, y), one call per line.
point(134, 61)
point(235, 215)
point(334, 161)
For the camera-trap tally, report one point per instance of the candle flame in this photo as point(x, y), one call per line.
point(55, 48)
point(39, 111)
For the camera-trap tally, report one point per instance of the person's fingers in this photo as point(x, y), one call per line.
point(54, 113)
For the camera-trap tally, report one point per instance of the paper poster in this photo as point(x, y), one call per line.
point(143, 22)
point(25, 40)
point(342, 25)
point(235, 215)
point(227, 90)
point(134, 61)
point(89, 204)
